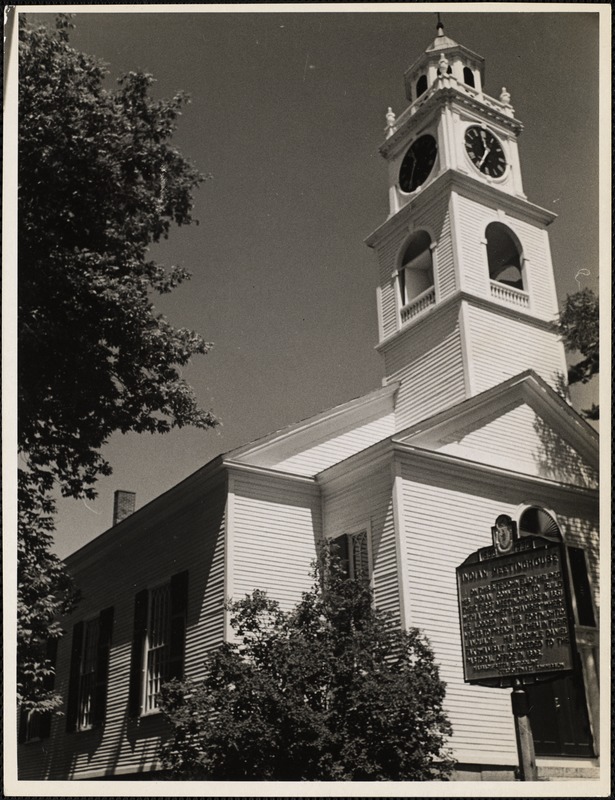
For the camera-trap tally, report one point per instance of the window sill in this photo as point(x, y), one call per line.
point(87, 729)
point(154, 712)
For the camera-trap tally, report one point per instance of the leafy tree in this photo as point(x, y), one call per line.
point(99, 183)
point(330, 691)
point(579, 329)
point(45, 590)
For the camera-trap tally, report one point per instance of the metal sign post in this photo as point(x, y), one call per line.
point(516, 621)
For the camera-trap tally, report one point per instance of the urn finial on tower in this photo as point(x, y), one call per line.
point(390, 118)
point(505, 96)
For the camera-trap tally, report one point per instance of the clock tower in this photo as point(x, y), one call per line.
point(466, 295)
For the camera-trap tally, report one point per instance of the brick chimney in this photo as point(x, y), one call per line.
point(123, 505)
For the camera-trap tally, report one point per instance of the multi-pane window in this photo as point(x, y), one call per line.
point(87, 674)
point(157, 644)
point(353, 551)
point(160, 617)
point(359, 562)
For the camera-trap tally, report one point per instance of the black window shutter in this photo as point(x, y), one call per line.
point(582, 589)
point(72, 704)
point(179, 609)
point(138, 646)
point(51, 655)
point(341, 549)
point(105, 629)
point(360, 558)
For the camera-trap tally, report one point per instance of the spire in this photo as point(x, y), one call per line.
point(446, 58)
point(441, 41)
point(439, 26)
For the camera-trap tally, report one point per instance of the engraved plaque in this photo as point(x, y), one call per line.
point(514, 613)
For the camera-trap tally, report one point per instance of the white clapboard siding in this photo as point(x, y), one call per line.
point(368, 502)
point(428, 361)
point(481, 717)
point(538, 267)
point(446, 519)
point(276, 524)
point(434, 218)
point(324, 454)
point(388, 258)
point(522, 441)
point(145, 550)
point(445, 262)
point(503, 347)
point(472, 219)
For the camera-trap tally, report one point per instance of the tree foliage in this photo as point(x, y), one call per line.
point(45, 590)
point(99, 183)
point(329, 691)
point(579, 329)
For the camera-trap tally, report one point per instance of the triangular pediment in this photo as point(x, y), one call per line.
point(314, 444)
point(521, 425)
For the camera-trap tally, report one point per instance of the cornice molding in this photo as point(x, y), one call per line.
point(165, 504)
point(458, 471)
point(457, 299)
point(271, 474)
point(329, 422)
point(439, 97)
point(469, 187)
point(430, 462)
point(336, 477)
point(529, 388)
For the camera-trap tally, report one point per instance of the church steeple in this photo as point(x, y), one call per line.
point(443, 57)
point(467, 294)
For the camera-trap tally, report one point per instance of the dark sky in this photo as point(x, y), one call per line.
point(287, 114)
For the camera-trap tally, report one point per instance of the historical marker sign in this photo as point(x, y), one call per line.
point(514, 613)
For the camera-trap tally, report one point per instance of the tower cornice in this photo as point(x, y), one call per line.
point(452, 180)
point(448, 90)
point(455, 301)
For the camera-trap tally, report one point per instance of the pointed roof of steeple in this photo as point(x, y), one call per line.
point(442, 45)
point(441, 42)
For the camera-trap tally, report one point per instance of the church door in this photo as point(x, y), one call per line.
point(559, 719)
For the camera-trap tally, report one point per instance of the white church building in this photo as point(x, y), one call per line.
point(469, 423)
